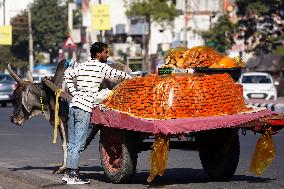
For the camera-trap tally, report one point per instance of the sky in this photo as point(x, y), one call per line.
point(12, 8)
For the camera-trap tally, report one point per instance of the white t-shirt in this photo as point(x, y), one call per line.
point(89, 76)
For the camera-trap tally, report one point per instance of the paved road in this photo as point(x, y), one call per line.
point(274, 105)
point(28, 158)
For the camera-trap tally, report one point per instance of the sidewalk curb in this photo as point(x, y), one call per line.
point(34, 179)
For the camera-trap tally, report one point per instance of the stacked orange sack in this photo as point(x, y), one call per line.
point(178, 96)
point(200, 57)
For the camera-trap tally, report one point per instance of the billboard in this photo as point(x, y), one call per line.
point(101, 17)
point(5, 35)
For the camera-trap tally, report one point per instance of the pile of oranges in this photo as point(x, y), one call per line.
point(199, 57)
point(178, 96)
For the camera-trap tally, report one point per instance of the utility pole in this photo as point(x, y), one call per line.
point(4, 13)
point(185, 23)
point(31, 49)
point(101, 32)
point(71, 7)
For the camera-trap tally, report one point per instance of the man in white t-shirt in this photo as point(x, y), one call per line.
point(89, 75)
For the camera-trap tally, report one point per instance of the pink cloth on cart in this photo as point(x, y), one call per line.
point(115, 119)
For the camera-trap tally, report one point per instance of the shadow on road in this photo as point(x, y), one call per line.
point(84, 169)
point(171, 176)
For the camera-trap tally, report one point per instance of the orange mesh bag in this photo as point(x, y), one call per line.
point(178, 96)
point(174, 57)
point(199, 57)
point(159, 156)
point(264, 153)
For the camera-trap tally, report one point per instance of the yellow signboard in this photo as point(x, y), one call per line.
point(101, 17)
point(5, 35)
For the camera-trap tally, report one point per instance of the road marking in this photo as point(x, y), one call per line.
point(3, 134)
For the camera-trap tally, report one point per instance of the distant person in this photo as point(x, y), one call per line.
point(89, 76)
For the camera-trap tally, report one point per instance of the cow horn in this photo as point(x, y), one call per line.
point(14, 75)
point(30, 76)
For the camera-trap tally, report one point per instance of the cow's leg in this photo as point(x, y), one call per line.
point(63, 134)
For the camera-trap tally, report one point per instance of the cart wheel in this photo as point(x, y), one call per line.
point(219, 152)
point(118, 154)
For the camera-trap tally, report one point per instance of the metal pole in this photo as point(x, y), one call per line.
point(101, 32)
point(31, 56)
point(71, 7)
point(4, 13)
point(185, 23)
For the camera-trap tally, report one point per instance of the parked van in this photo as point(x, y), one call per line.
point(258, 85)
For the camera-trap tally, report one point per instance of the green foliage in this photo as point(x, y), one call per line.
point(258, 7)
point(256, 24)
point(258, 19)
point(4, 54)
point(20, 35)
point(77, 18)
point(158, 11)
point(221, 35)
point(252, 6)
point(17, 58)
point(39, 57)
point(280, 50)
point(49, 23)
point(123, 55)
point(49, 27)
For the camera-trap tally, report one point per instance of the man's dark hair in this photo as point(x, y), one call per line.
point(97, 47)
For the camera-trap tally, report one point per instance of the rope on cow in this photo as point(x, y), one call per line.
point(56, 117)
point(41, 104)
point(41, 101)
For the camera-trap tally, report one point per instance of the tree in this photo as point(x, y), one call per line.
point(17, 53)
point(20, 46)
point(221, 35)
point(263, 24)
point(259, 22)
point(49, 25)
point(5, 53)
point(152, 11)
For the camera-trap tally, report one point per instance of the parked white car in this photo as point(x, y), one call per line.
point(258, 85)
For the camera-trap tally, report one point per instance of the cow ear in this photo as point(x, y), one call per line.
point(30, 76)
point(26, 99)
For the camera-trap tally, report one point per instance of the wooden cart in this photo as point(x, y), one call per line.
point(122, 137)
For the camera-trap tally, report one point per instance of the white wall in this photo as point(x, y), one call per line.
point(200, 5)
